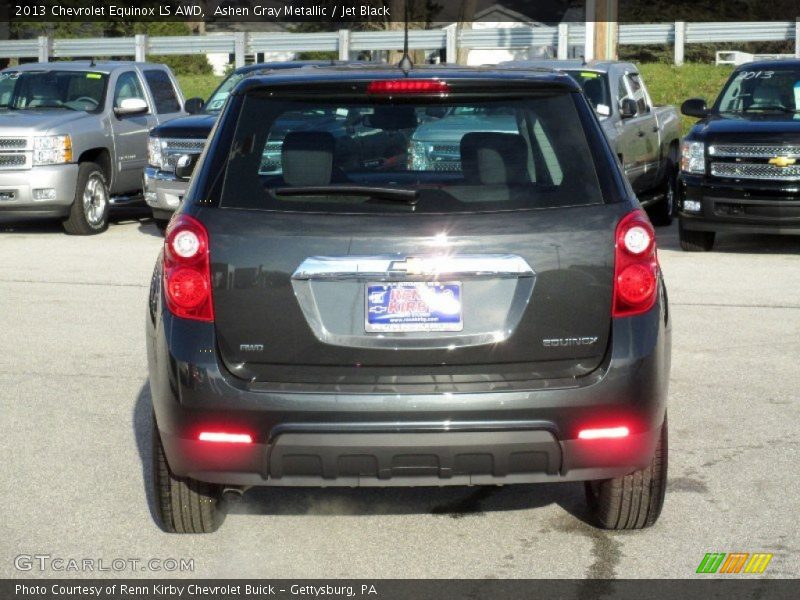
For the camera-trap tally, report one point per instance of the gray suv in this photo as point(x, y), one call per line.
point(73, 138)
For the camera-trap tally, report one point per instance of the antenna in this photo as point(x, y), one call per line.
point(405, 62)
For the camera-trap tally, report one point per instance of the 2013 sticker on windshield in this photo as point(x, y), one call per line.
point(755, 75)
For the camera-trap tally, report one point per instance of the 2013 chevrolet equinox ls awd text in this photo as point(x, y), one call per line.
point(344, 319)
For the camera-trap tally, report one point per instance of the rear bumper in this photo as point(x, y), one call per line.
point(336, 439)
point(740, 206)
point(17, 188)
point(162, 190)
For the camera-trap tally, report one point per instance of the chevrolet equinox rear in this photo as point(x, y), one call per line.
point(330, 309)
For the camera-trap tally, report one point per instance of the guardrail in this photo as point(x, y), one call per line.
point(344, 41)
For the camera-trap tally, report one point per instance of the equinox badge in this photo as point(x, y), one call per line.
point(567, 342)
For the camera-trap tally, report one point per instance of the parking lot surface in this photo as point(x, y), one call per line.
point(76, 439)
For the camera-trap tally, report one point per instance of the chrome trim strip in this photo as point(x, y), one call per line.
point(752, 151)
point(398, 267)
point(755, 171)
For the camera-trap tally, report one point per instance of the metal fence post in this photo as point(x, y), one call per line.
point(451, 44)
point(563, 41)
point(140, 45)
point(797, 38)
point(680, 41)
point(344, 44)
point(239, 48)
point(45, 48)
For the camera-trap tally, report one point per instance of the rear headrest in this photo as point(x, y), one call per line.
point(307, 158)
point(494, 158)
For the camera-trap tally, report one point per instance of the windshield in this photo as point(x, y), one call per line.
point(355, 156)
point(217, 99)
point(776, 89)
point(595, 86)
point(72, 90)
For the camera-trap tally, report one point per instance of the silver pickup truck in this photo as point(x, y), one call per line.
point(73, 138)
point(644, 137)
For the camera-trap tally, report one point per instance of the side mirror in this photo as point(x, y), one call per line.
point(194, 105)
point(130, 106)
point(184, 166)
point(695, 107)
point(627, 108)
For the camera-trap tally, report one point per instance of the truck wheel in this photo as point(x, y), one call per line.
point(632, 501)
point(88, 214)
point(695, 241)
point(663, 211)
point(184, 505)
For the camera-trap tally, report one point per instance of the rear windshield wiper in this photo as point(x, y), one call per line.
point(409, 197)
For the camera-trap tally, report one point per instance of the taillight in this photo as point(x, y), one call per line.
point(187, 270)
point(635, 266)
point(408, 86)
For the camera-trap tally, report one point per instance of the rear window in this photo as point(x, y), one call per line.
point(343, 156)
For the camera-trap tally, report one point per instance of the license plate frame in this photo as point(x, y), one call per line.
point(446, 296)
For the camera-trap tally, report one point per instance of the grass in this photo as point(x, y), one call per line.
point(667, 84)
point(199, 86)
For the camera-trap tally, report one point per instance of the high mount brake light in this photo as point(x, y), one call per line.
point(635, 266)
point(391, 87)
point(187, 270)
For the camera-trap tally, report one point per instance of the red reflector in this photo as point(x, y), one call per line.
point(230, 438)
point(606, 433)
point(408, 86)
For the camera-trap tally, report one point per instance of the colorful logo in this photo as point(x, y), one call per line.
point(735, 562)
point(782, 161)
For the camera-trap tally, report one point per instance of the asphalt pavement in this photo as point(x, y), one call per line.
point(75, 440)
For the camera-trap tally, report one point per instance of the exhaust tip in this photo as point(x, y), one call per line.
point(232, 495)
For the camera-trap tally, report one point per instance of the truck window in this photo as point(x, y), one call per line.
point(474, 156)
point(163, 91)
point(595, 86)
point(128, 86)
point(775, 89)
point(72, 90)
point(637, 92)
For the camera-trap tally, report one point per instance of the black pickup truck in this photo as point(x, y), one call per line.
point(740, 164)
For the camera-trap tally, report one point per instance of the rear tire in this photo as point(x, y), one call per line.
point(88, 214)
point(183, 505)
point(632, 501)
point(695, 241)
point(662, 213)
